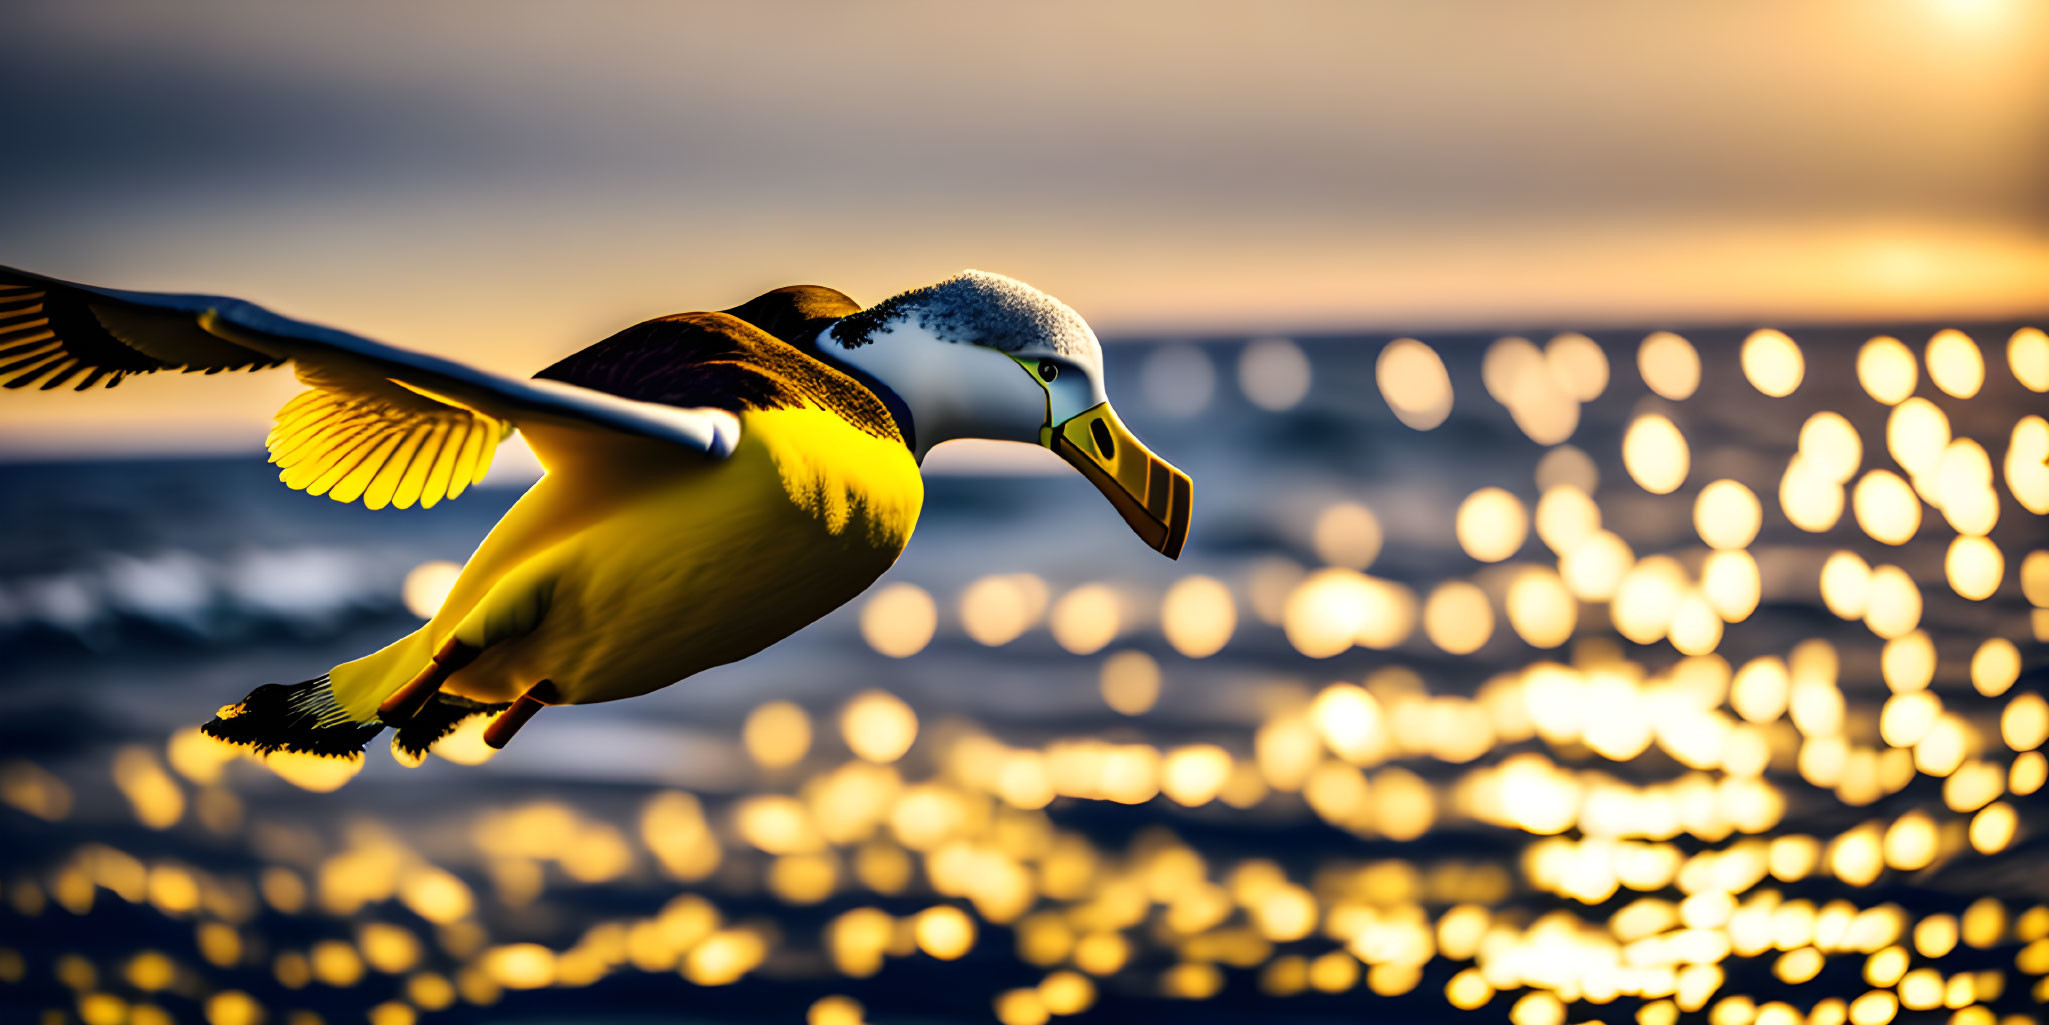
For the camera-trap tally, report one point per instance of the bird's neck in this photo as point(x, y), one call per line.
point(832, 354)
point(947, 390)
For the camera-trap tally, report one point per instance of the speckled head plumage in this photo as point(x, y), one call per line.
point(984, 356)
point(980, 308)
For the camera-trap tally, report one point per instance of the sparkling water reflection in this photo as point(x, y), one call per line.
point(1750, 731)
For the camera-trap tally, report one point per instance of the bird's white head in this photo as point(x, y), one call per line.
point(980, 355)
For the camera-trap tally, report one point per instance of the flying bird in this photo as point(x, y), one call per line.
point(715, 481)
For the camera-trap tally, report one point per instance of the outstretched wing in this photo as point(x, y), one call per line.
point(377, 423)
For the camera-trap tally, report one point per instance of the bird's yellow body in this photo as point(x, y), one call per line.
point(716, 481)
point(614, 577)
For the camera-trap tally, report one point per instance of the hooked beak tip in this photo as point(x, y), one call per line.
point(1154, 497)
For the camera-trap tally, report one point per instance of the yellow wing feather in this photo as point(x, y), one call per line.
point(366, 440)
point(414, 483)
point(444, 463)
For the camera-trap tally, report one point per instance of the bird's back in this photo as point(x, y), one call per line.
point(755, 356)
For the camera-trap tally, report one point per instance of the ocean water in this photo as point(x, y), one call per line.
point(1483, 814)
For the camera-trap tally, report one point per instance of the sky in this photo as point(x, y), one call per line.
point(505, 182)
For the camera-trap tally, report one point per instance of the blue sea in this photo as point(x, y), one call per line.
point(136, 596)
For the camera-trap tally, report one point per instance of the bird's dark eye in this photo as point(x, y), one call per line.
point(1048, 370)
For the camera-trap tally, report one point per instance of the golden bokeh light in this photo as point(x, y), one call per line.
point(1811, 499)
point(1274, 373)
point(777, 824)
point(1413, 381)
point(1943, 750)
point(802, 878)
point(1457, 617)
point(312, 772)
point(1910, 842)
point(1831, 446)
point(1655, 454)
point(1101, 953)
point(1349, 721)
point(995, 610)
point(1995, 666)
point(1760, 690)
point(2030, 771)
point(2027, 354)
point(1198, 616)
point(1954, 363)
point(1067, 992)
point(1994, 828)
point(1963, 488)
point(1491, 524)
point(1021, 1007)
point(437, 896)
point(724, 957)
point(777, 735)
point(465, 744)
point(198, 757)
point(1669, 365)
point(1087, 618)
point(1593, 569)
point(1565, 517)
point(1887, 370)
point(2035, 578)
point(1518, 376)
point(944, 931)
point(899, 620)
point(1727, 515)
point(1578, 364)
point(1348, 535)
point(1893, 602)
point(1468, 990)
point(1846, 584)
point(520, 965)
point(1194, 775)
point(1648, 598)
point(1568, 466)
point(156, 798)
point(233, 1007)
point(2024, 725)
point(1334, 972)
point(1907, 662)
point(1326, 611)
point(1541, 609)
point(1690, 799)
point(1886, 507)
point(1130, 682)
point(834, 1009)
point(2027, 464)
point(1974, 567)
point(1916, 432)
point(878, 726)
point(1772, 363)
point(1731, 584)
point(1332, 610)
point(427, 586)
point(1193, 980)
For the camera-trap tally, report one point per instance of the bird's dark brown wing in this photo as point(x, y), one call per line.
point(53, 334)
point(733, 362)
point(378, 423)
point(796, 313)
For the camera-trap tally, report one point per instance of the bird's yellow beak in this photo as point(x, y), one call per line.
point(1153, 496)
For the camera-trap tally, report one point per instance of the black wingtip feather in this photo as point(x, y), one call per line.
point(291, 717)
point(438, 719)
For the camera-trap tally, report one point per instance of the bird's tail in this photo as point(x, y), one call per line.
point(300, 717)
point(305, 718)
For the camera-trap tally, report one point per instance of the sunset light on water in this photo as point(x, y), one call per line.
point(1662, 736)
